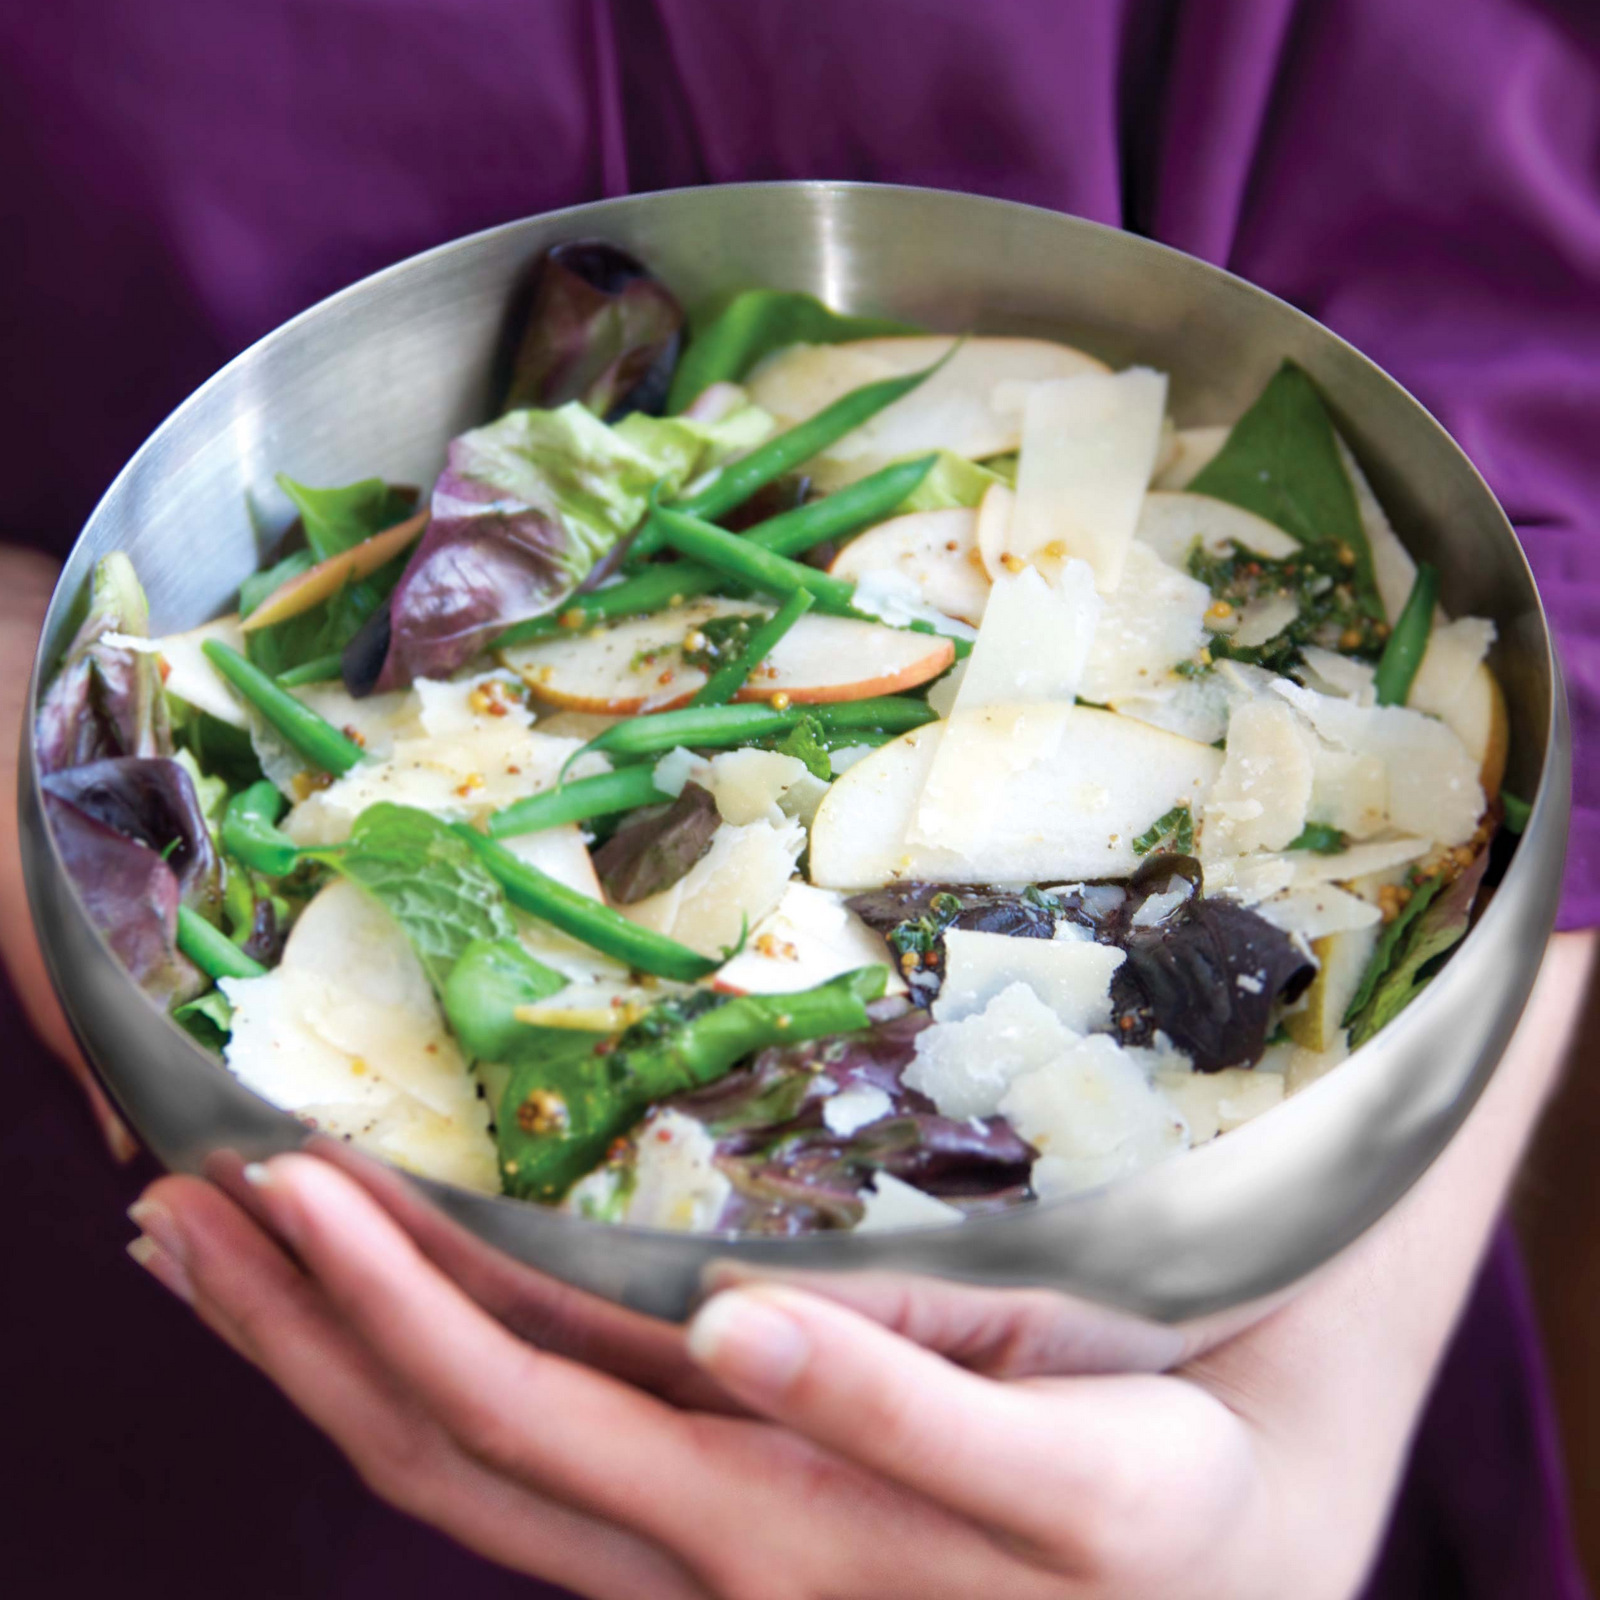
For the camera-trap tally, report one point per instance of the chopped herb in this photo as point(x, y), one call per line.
point(1321, 584)
point(806, 742)
point(1176, 825)
point(1320, 839)
point(720, 640)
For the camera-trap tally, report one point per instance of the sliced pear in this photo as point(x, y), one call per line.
point(1343, 958)
point(1393, 569)
point(1456, 685)
point(954, 410)
point(1170, 523)
point(935, 551)
point(327, 578)
point(188, 673)
point(1042, 793)
point(993, 531)
point(1089, 444)
point(638, 665)
point(1187, 452)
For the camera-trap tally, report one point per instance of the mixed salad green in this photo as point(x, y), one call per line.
point(794, 771)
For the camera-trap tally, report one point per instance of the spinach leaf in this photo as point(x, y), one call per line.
point(1384, 953)
point(337, 519)
point(209, 1018)
point(1433, 933)
point(725, 345)
point(491, 978)
point(1281, 461)
point(1176, 825)
point(429, 881)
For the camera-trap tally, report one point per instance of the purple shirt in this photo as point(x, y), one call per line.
point(183, 176)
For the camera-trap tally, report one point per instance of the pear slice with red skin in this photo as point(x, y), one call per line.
point(638, 665)
point(937, 551)
point(327, 578)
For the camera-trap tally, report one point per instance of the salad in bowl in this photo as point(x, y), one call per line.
point(794, 772)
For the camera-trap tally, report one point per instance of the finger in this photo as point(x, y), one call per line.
point(533, 1414)
point(737, 1501)
point(641, 1350)
point(1068, 1463)
point(204, 1247)
point(26, 580)
point(1001, 1333)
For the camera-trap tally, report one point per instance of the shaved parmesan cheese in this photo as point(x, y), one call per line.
point(809, 937)
point(1035, 639)
point(1317, 912)
point(1088, 448)
point(1150, 623)
point(749, 785)
point(1393, 569)
point(346, 1029)
point(850, 1110)
point(674, 770)
point(1356, 862)
point(1092, 1115)
point(1218, 1102)
point(1349, 792)
point(1328, 672)
point(377, 722)
point(676, 1182)
point(1433, 782)
point(1449, 666)
point(1190, 449)
point(1192, 708)
point(892, 1204)
point(966, 1066)
point(190, 675)
point(469, 705)
point(1259, 799)
point(1173, 524)
point(1306, 1066)
point(1072, 977)
point(896, 598)
point(727, 891)
point(1264, 619)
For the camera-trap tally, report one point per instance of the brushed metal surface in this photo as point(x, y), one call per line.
point(377, 378)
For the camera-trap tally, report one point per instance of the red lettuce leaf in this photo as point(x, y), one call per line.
point(152, 802)
point(131, 896)
point(602, 330)
point(657, 846)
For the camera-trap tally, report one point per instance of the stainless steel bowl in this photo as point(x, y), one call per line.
point(377, 378)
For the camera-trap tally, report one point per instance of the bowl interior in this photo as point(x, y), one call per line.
point(374, 381)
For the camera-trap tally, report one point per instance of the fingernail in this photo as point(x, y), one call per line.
point(162, 1267)
point(750, 1343)
point(153, 1218)
point(259, 1174)
point(122, 1144)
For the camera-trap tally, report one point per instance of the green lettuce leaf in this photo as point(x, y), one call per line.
point(1281, 461)
point(334, 520)
point(726, 343)
point(427, 879)
point(954, 482)
point(1412, 961)
point(522, 512)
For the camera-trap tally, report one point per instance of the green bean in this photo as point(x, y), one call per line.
point(567, 1100)
point(311, 736)
point(719, 727)
point(789, 534)
point(784, 451)
point(729, 678)
point(588, 921)
point(1517, 811)
point(579, 801)
point(736, 557)
point(1407, 645)
point(321, 669)
point(250, 835)
point(213, 951)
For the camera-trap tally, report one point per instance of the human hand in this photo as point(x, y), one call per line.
point(909, 1443)
point(26, 579)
